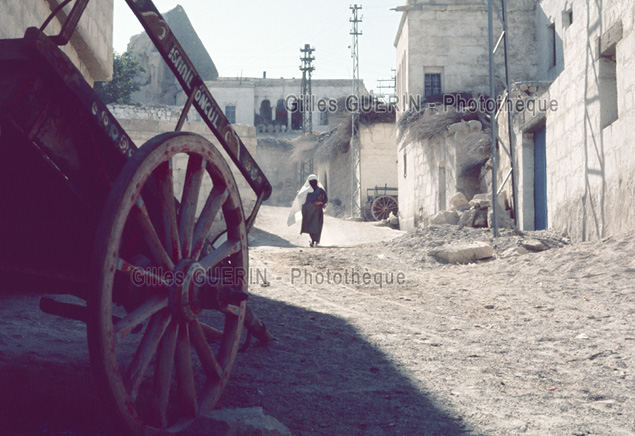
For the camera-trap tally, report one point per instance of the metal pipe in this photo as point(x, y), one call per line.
point(492, 117)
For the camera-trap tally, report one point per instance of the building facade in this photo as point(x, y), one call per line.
point(90, 47)
point(571, 63)
point(575, 165)
point(442, 47)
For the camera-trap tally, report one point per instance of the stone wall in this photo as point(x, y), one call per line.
point(90, 47)
point(143, 124)
point(274, 157)
point(379, 160)
point(590, 162)
point(378, 166)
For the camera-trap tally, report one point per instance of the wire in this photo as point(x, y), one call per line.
point(53, 14)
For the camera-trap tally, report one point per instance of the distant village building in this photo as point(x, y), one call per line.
point(272, 107)
point(90, 48)
point(332, 159)
point(572, 63)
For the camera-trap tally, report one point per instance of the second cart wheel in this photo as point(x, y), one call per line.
point(167, 306)
point(382, 206)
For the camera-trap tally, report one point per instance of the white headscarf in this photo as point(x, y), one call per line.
point(295, 214)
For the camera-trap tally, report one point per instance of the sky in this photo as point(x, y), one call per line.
point(246, 37)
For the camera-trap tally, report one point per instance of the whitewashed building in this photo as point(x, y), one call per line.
point(574, 166)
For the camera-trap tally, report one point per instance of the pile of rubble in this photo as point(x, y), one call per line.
point(477, 213)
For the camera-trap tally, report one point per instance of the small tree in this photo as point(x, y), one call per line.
point(122, 86)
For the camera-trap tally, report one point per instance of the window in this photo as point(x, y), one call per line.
point(608, 90)
point(230, 113)
point(551, 41)
point(607, 72)
point(567, 18)
point(432, 84)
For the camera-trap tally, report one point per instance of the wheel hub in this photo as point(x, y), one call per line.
point(185, 290)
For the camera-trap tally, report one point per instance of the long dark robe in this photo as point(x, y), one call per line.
point(313, 214)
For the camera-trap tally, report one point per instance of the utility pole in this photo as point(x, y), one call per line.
point(306, 103)
point(356, 147)
point(500, 7)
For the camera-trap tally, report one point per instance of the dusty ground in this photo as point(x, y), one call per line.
point(538, 344)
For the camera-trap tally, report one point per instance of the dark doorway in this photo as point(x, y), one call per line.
point(540, 179)
point(265, 111)
point(282, 117)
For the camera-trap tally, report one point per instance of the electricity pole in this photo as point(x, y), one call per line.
point(356, 152)
point(306, 102)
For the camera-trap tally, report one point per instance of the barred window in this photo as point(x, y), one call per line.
point(432, 84)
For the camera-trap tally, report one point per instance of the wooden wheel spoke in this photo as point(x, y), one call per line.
point(165, 180)
point(140, 215)
point(213, 204)
point(193, 178)
point(139, 315)
point(227, 248)
point(140, 276)
point(163, 372)
point(211, 334)
point(184, 373)
point(211, 366)
point(145, 351)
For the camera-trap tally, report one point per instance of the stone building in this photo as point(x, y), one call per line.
point(271, 107)
point(90, 47)
point(332, 158)
point(442, 47)
point(575, 166)
point(571, 65)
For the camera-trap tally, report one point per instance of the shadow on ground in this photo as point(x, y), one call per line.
point(261, 238)
point(320, 377)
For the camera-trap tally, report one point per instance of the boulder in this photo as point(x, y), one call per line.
point(231, 422)
point(474, 125)
point(445, 217)
point(467, 218)
point(480, 201)
point(463, 252)
point(503, 220)
point(458, 200)
point(533, 245)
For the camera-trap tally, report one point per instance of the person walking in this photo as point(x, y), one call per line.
point(309, 204)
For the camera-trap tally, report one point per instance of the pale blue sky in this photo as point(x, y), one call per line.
point(252, 36)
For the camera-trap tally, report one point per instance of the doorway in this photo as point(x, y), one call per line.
point(540, 179)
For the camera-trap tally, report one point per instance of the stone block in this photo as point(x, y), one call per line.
point(445, 217)
point(467, 218)
point(458, 200)
point(480, 201)
point(231, 422)
point(533, 245)
point(463, 253)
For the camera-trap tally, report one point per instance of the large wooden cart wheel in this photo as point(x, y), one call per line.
point(382, 206)
point(169, 277)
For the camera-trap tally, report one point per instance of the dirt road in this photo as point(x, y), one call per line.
point(377, 338)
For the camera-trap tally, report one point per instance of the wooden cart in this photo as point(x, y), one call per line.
point(380, 202)
point(163, 271)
